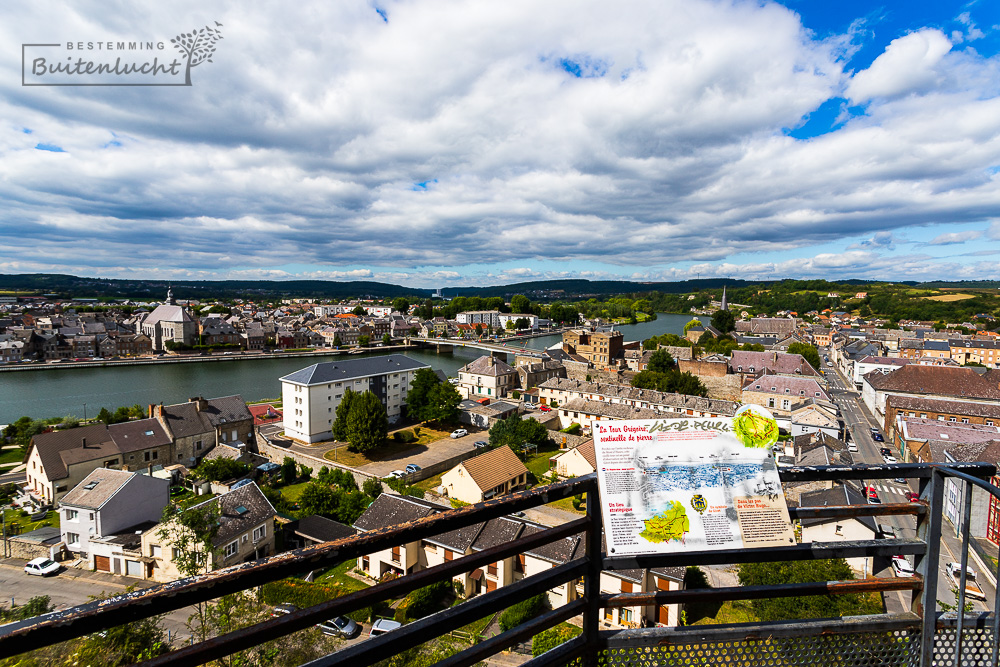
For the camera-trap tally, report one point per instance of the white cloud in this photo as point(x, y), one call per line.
point(909, 64)
point(323, 136)
point(951, 238)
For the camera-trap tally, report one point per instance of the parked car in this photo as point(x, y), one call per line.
point(395, 474)
point(283, 609)
point(382, 626)
point(901, 567)
point(340, 626)
point(885, 451)
point(481, 444)
point(412, 468)
point(42, 567)
point(885, 531)
point(459, 433)
point(890, 459)
point(877, 437)
point(544, 408)
point(872, 496)
point(912, 497)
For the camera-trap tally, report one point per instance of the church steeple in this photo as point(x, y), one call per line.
point(725, 304)
point(170, 296)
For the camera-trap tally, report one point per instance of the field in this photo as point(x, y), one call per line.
point(957, 296)
point(389, 449)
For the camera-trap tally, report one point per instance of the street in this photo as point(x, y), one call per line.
point(859, 422)
point(72, 587)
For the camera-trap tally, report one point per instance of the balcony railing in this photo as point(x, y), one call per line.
point(921, 636)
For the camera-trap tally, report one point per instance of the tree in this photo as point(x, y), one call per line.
point(693, 323)
point(319, 498)
point(428, 312)
point(288, 470)
point(367, 423)
point(364, 340)
point(359, 311)
point(520, 304)
point(336, 340)
point(372, 488)
point(724, 321)
point(813, 606)
point(387, 340)
point(515, 431)
point(191, 535)
point(521, 323)
point(339, 427)
point(443, 406)
point(124, 644)
point(671, 381)
point(105, 416)
point(479, 329)
point(220, 469)
point(546, 640)
point(401, 305)
point(808, 352)
point(661, 361)
point(419, 397)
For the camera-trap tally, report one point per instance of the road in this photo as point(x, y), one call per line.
point(73, 587)
point(859, 422)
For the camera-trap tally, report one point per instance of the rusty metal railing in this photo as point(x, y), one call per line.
point(912, 638)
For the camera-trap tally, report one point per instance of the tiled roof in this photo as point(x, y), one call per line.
point(349, 369)
point(496, 532)
point(622, 393)
point(390, 510)
point(488, 365)
point(611, 410)
point(797, 386)
point(941, 380)
point(840, 494)
point(321, 529)
point(459, 539)
point(781, 363)
point(52, 446)
point(915, 428)
point(232, 520)
point(941, 405)
point(138, 435)
point(495, 467)
point(558, 552)
point(226, 410)
point(185, 421)
point(103, 483)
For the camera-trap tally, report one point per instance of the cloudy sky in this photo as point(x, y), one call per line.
point(466, 143)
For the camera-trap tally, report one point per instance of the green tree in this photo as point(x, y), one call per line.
point(105, 416)
point(367, 423)
point(288, 470)
point(359, 311)
point(319, 498)
point(443, 405)
point(364, 340)
point(724, 321)
point(520, 304)
point(336, 340)
point(220, 469)
point(515, 431)
point(420, 394)
point(124, 644)
point(401, 305)
point(546, 640)
point(813, 606)
point(661, 361)
point(693, 323)
point(479, 329)
point(808, 352)
point(372, 488)
point(191, 535)
point(339, 427)
point(387, 340)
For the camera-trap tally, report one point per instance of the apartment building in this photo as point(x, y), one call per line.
point(310, 396)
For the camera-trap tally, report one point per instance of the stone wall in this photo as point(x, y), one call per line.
point(278, 454)
point(29, 550)
point(726, 387)
point(575, 371)
point(702, 368)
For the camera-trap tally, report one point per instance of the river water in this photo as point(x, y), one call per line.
point(59, 392)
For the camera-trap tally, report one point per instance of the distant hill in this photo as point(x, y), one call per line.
point(961, 284)
point(544, 290)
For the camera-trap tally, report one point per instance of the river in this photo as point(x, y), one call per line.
point(83, 392)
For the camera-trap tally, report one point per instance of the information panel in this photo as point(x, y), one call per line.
point(691, 484)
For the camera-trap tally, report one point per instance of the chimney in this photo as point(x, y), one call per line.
point(152, 410)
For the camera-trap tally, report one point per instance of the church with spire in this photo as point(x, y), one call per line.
point(725, 303)
point(168, 323)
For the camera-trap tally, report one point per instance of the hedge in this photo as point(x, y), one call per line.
point(304, 594)
point(523, 611)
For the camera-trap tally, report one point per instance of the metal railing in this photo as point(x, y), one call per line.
point(921, 636)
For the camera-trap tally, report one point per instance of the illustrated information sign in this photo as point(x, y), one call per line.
point(691, 484)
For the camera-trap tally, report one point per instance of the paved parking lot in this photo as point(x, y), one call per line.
point(429, 454)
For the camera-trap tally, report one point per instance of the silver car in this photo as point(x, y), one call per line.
point(340, 626)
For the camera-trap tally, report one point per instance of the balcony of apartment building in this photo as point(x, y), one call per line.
point(918, 634)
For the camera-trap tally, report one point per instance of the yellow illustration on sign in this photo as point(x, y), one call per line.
point(755, 427)
point(669, 526)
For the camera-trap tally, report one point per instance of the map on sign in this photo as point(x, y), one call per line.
point(675, 484)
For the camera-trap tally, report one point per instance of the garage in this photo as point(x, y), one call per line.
point(102, 563)
point(133, 568)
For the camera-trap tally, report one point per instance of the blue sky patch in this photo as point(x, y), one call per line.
point(49, 147)
point(381, 12)
point(423, 185)
point(584, 67)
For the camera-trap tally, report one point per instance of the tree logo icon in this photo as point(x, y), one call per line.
point(198, 46)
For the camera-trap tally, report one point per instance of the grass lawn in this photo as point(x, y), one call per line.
point(430, 483)
point(732, 611)
point(390, 448)
point(338, 575)
point(188, 499)
point(292, 492)
point(12, 455)
point(17, 524)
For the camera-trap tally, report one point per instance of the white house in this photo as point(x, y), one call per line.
point(310, 396)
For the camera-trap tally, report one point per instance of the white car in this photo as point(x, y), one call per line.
point(901, 567)
point(459, 433)
point(42, 567)
point(890, 459)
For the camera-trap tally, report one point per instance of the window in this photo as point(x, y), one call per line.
point(395, 555)
point(230, 549)
point(71, 515)
point(989, 422)
point(155, 550)
point(491, 569)
point(952, 419)
point(965, 420)
point(73, 538)
point(259, 532)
